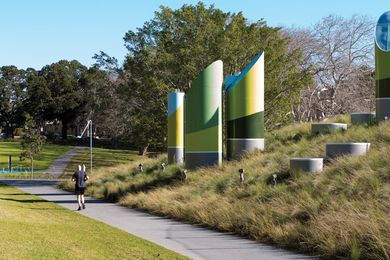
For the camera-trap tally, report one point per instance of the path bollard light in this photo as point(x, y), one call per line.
point(241, 171)
point(184, 175)
point(274, 177)
point(141, 167)
point(162, 165)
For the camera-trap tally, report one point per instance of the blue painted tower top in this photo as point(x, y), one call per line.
point(383, 32)
point(175, 100)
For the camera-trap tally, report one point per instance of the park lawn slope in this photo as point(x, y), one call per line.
point(102, 158)
point(32, 228)
point(42, 161)
point(343, 212)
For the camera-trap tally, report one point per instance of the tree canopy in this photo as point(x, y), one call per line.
point(67, 97)
point(12, 97)
point(308, 73)
point(171, 49)
point(32, 140)
point(58, 91)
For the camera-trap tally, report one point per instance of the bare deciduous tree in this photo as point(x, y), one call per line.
point(339, 52)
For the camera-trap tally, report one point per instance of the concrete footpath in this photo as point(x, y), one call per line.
point(188, 240)
point(59, 165)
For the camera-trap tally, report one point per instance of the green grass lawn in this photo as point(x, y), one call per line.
point(32, 228)
point(102, 158)
point(42, 161)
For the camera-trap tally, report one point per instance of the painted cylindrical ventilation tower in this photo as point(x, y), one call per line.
point(245, 109)
point(382, 67)
point(203, 118)
point(176, 127)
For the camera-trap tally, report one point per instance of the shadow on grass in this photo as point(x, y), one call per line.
point(14, 194)
point(53, 201)
point(281, 177)
point(160, 181)
point(24, 201)
point(156, 183)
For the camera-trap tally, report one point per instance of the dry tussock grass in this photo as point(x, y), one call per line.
point(342, 212)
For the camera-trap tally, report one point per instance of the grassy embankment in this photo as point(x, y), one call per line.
point(42, 161)
point(342, 212)
point(32, 228)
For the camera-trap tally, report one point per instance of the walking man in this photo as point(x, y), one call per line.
point(80, 177)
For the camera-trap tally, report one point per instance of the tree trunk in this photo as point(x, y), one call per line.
point(143, 150)
point(114, 142)
point(76, 130)
point(64, 132)
point(9, 130)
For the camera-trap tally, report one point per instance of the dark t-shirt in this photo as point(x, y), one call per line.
point(80, 178)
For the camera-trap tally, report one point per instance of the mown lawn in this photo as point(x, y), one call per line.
point(102, 158)
point(49, 153)
point(31, 228)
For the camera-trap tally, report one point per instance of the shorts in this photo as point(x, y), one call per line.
point(79, 191)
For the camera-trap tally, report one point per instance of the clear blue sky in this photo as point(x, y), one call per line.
point(39, 32)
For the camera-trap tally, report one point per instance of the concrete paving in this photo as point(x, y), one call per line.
point(188, 240)
point(59, 165)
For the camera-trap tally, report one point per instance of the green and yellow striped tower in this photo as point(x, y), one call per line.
point(245, 109)
point(382, 67)
point(176, 127)
point(203, 118)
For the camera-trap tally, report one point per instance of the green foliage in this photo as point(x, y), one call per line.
point(38, 95)
point(57, 92)
point(12, 97)
point(67, 90)
point(32, 140)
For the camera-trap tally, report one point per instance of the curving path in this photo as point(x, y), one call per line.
point(59, 165)
point(188, 240)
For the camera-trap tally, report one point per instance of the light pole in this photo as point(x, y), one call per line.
point(90, 131)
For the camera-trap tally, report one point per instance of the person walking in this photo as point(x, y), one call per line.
point(80, 177)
